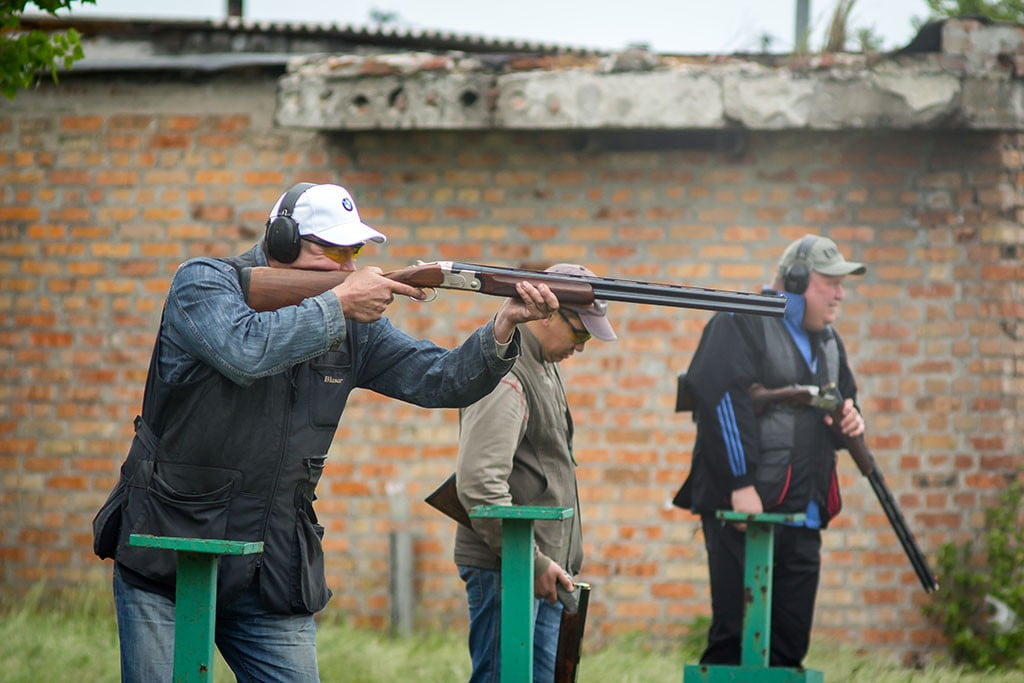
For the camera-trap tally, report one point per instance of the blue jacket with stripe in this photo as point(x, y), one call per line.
point(787, 453)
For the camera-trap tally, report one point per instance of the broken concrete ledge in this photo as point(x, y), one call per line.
point(970, 79)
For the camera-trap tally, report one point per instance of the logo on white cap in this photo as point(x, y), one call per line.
point(329, 213)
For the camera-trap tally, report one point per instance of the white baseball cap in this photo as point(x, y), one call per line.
point(329, 213)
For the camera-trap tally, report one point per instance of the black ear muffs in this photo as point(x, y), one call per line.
point(282, 237)
point(798, 273)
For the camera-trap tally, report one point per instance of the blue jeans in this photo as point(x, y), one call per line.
point(483, 590)
point(257, 645)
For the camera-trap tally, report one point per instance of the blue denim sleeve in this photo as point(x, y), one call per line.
point(206, 321)
point(420, 372)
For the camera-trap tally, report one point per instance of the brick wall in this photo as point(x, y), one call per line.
point(109, 184)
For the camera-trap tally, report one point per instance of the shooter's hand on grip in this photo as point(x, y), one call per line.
point(365, 294)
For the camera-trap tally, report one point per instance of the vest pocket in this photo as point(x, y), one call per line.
point(311, 592)
point(190, 515)
point(331, 382)
point(835, 500)
point(160, 509)
point(775, 461)
point(773, 475)
point(106, 525)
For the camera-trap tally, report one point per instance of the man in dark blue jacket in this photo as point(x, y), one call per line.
point(239, 412)
point(781, 460)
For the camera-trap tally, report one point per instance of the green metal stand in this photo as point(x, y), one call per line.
point(517, 583)
point(757, 616)
point(195, 602)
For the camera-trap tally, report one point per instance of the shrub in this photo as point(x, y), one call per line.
point(975, 577)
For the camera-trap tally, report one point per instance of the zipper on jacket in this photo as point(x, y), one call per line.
point(280, 461)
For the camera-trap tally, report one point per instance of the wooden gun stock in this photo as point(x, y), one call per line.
point(763, 397)
point(268, 289)
point(445, 499)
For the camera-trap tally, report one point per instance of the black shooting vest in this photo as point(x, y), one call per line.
point(797, 459)
point(212, 459)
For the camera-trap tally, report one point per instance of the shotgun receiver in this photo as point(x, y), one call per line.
point(829, 400)
point(267, 289)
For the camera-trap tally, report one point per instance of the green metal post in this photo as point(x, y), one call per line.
point(195, 601)
point(757, 589)
point(195, 617)
point(517, 583)
point(759, 550)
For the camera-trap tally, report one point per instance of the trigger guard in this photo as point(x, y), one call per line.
point(433, 295)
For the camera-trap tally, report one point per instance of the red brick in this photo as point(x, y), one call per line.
point(116, 178)
point(19, 213)
point(81, 123)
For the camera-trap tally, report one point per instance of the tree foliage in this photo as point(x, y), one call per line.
point(24, 54)
point(997, 10)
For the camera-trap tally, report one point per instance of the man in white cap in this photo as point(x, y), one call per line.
point(239, 412)
point(781, 459)
point(515, 447)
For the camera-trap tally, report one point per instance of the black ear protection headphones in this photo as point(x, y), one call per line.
point(798, 273)
point(282, 237)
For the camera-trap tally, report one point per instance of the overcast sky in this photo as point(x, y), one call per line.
point(670, 26)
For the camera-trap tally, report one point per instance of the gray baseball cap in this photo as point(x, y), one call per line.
point(822, 257)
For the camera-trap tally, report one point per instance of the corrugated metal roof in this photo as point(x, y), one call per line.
point(348, 34)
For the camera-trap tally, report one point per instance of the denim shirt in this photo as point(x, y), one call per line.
point(207, 324)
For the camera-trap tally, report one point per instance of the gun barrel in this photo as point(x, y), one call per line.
point(899, 525)
point(633, 291)
point(267, 289)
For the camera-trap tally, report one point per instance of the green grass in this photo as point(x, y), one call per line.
point(74, 638)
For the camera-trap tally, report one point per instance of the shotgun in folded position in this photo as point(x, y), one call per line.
point(570, 631)
point(445, 499)
point(268, 289)
point(829, 400)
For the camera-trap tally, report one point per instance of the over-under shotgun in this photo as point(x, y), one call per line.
point(268, 289)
